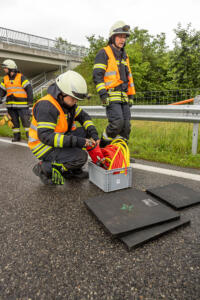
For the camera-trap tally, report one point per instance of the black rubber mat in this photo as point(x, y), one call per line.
point(129, 210)
point(176, 195)
point(137, 238)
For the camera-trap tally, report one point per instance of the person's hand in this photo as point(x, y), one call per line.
point(89, 143)
point(57, 177)
point(93, 141)
point(130, 102)
point(105, 102)
point(97, 142)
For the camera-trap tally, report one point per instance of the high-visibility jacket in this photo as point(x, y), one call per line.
point(37, 147)
point(15, 88)
point(112, 76)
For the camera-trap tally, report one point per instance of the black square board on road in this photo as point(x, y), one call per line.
point(128, 210)
point(176, 195)
point(142, 236)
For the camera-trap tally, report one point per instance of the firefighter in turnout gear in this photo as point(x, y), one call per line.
point(114, 83)
point(53, 136)
point(19, 96)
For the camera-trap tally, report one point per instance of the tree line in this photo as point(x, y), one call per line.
point(154, 66)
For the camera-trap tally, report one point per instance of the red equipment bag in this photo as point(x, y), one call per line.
point(95, 153)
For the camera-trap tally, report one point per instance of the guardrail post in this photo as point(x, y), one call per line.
point(195, 130)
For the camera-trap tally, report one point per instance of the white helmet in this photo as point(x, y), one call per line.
point(9, 64)
point(72, 84)
point(119, 28)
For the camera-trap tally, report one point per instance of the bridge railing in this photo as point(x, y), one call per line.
point(32, 41)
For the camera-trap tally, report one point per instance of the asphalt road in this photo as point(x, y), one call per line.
point(52, 247)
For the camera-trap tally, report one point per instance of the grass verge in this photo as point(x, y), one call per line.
point(165, 142)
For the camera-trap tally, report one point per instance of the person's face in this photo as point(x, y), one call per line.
point(120, 40)
point(6, 70)
point(70, 101)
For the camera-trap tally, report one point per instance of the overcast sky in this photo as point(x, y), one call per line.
point(73, 20)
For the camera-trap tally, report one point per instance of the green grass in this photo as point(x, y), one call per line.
point(7, 132)
point(165, 142)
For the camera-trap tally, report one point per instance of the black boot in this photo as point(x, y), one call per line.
point(37, 170)
point(16, 137)
point(132, 160)
point(80, 174)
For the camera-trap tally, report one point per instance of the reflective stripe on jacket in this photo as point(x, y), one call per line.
point(112, 76)
point(15, 88)
point(37, 147)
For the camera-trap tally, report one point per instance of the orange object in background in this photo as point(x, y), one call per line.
point(182, 102)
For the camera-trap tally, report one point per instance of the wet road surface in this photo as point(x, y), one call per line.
point(52, 247)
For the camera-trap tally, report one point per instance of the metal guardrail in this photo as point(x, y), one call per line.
point(166, 113)
point(36, 42)
point(186, 113)
point(163, 113)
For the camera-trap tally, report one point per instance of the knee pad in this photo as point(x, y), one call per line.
point(127, 126)
point(79, 162)
point(25, 120)
point(115, 127)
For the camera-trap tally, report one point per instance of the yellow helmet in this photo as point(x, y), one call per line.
point(72, 84)
point(119, 28)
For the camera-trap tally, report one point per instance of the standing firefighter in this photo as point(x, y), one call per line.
point(114, 83)
point(19, 96)
point(53, 136)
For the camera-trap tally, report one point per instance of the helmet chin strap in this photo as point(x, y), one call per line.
point(61, 99)
point(113, 41)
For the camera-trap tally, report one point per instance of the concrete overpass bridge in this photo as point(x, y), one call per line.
point(35, 55)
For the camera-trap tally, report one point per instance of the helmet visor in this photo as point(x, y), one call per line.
point(125, 29)
point(79, 96)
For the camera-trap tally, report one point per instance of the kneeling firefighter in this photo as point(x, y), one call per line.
point(53, 136)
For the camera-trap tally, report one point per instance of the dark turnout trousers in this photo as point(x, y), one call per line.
point(119, 116)
point(72, 158)
point(18, 114)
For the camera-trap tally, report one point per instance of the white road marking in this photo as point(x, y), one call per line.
point(15, 143)
point(166, 171)
point(137, 166)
